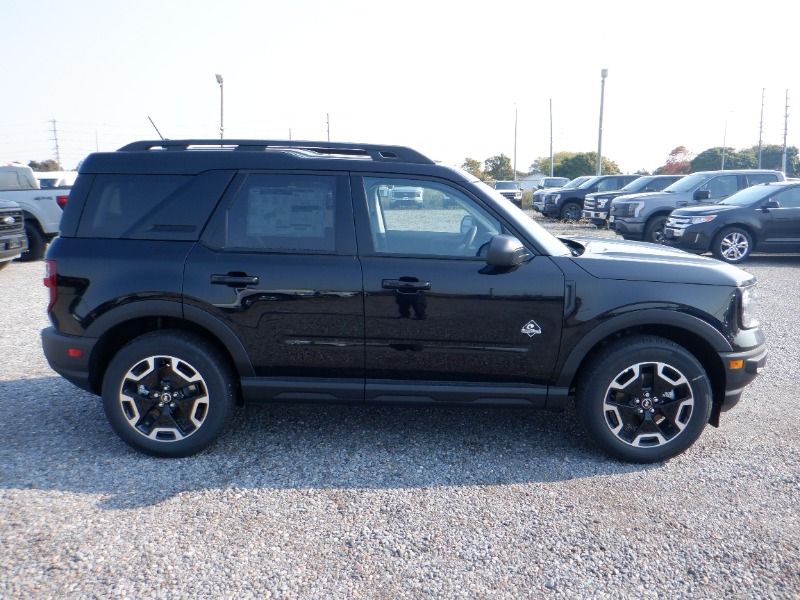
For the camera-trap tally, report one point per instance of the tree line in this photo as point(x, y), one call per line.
point(680, 160)
point(565, 164)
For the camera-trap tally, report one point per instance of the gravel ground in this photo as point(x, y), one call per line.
point(342, 502)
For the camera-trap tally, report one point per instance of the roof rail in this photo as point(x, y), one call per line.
point(373, 151)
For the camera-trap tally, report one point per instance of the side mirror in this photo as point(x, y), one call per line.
point(702, 195)
point(467, 223)
point(770, 204)
point(540, 186)
point(505, 251)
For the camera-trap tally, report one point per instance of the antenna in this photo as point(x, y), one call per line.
point(328, 120)
point(154, 127)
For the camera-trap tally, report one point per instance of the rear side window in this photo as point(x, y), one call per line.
point(280, 213)
point(151, 207)
point(756, 178)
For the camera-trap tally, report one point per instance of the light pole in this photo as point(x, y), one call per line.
point(221, 126)
point(603, 75)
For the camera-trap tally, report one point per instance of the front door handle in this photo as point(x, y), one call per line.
point(234, 279)
point(405, 286)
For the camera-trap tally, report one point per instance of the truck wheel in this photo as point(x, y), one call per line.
point(168, 393)
point(571, 211)
point(654, 231)
point(644, 399)
point(732, 245)
point(36, 243)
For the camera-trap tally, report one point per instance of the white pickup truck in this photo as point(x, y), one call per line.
point(42, 207)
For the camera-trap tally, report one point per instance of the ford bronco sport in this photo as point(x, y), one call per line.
point(191, 276)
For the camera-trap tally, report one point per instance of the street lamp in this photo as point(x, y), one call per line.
point(221, 127)
point(603, 75)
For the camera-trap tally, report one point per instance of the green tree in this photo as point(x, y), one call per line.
point(711, 159)
point(45, 165)
point(542, 165)
point(498, 167)
point(772, 157)
point(584, 164)
point(473, 167)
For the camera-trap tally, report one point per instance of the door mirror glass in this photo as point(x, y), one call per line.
point(505, 251)
point(702, 195)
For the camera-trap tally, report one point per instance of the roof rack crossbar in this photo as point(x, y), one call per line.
point(374, 151)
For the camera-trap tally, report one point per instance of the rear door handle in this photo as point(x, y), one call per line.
point(238, 280)
point(408, 286)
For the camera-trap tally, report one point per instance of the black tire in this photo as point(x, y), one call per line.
point(36, 243)
point(571, 211)
point(732, 245)
point(4, 264)
point(138, 390)
point(644, 399)
point(654, 230)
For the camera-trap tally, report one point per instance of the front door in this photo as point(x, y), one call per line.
point(434, 310)
point(277, 266)
point(782, 229)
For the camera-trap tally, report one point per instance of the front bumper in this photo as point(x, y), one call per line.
point(598, 217)
point(741, 368)
point(629, 229)
point(69, 356)
point(692, 238)
point(12, 245)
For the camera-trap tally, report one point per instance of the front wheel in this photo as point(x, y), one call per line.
point(654, 231)
point(168, 393)
point(732, 245)
point(37, 243)
point(644, 399)
point(571, 212)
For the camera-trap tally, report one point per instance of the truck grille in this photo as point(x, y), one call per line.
point(589, 204)
point(679, 222)
point(17, 224)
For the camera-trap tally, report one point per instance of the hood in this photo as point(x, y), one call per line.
point(642, 196)
point(641, 261)
point(6, 204)
point(702, 210)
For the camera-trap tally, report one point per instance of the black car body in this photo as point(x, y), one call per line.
point(13, 241)
point(568, 203)
point(764, 217)
point(187, 278)
point(539, 195)
point(597, 205)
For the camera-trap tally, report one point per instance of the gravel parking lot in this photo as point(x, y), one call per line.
point(341, 502)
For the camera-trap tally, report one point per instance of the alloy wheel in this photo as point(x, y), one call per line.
point(734, 246)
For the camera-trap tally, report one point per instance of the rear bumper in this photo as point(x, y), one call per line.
point(736, 379)
point(69, 356)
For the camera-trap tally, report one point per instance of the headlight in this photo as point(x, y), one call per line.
point(631, 209)
point(705, 219)
point(554, 198)
point(749, 298)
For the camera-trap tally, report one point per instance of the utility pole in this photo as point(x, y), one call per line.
point(603, 75)
point(328, 121)
point(761, 127)
point(785, 131)
point(515, 143)
point(724, 137)
point(551, 137)
point(96, 142)
point(55, 141)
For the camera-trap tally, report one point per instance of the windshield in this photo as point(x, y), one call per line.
point(749, 195)
point(554, 181)
point(506, 185)
point(688, 183)
point(549, 243)
point(576, 182)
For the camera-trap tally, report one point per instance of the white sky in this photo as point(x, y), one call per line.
point(441, 77)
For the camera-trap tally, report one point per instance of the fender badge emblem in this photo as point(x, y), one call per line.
point(531, 328)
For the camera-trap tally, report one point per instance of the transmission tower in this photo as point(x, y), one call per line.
point(54, 139)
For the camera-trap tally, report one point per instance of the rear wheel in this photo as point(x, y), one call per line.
point(168, 393)
point(732, 244)
point(654, 231)
point(571, 211)
point(644, 399)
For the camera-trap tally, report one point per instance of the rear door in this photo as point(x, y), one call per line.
point(435, 312)
point(277, 266)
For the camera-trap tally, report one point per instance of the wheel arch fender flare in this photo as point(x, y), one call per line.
point(638, 318)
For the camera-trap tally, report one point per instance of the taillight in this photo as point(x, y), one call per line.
point(62, 200)
point(50, 281)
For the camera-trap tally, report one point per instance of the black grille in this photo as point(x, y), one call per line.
point(17, 225)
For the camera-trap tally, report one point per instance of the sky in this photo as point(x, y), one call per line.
point(442, 77)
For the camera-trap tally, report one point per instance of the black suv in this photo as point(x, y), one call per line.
point(189, 277)
point(764, 217)
point(567, 204)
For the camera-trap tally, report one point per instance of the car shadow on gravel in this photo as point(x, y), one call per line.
point(56, 438)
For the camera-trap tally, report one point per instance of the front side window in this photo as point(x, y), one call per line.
point(278, 212)
point(444, 222)
point(788, 198)
point(607, 185)
point(722, 186)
